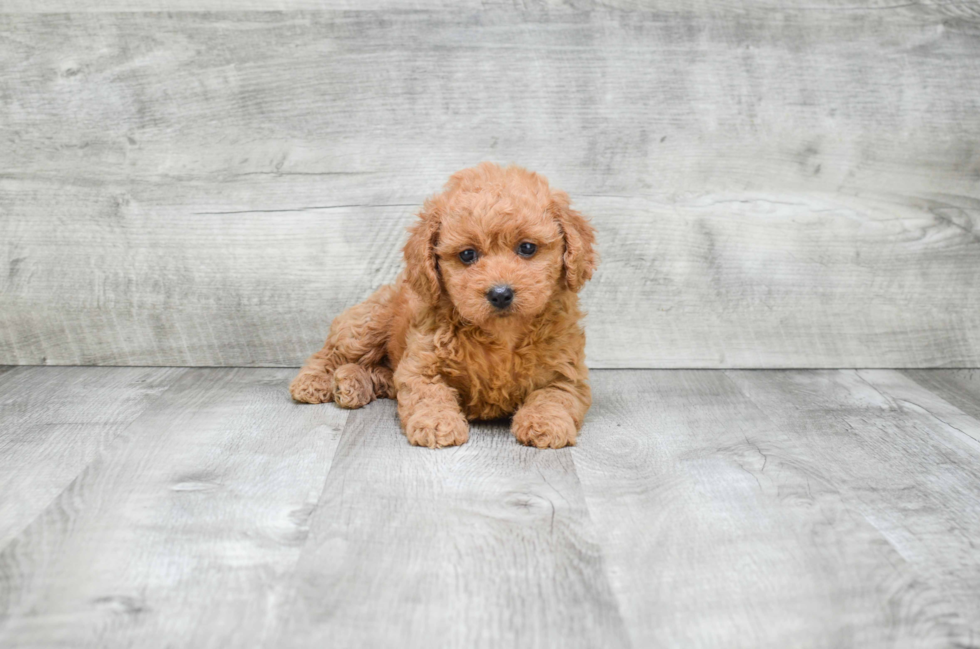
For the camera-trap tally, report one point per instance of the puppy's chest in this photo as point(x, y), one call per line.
point(492, 381)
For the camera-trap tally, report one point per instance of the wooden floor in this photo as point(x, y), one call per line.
point(146, 507)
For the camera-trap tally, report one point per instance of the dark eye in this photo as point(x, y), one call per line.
point(526, 249)
point(468, 256)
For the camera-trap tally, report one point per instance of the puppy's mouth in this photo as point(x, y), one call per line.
point(508, 311)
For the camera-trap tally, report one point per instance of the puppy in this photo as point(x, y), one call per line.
point(483, 323)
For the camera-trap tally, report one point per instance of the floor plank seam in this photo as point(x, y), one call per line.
point(604, 559)
point(98, 457)
point(270, 637)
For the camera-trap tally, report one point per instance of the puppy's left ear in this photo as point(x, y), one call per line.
point(580, 256)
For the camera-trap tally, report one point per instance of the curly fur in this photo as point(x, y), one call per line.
point(434, 342)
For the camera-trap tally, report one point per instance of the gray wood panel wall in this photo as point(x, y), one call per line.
point(774, 185)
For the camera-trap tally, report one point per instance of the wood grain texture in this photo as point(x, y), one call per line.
point(952, 8)
point(907, 462)
point(186, 529)
point(54, 422)
point(699, 509)
point(794, 188)
point(961, 388)
point(722, 528)
point(134, 6)
point(486, 545)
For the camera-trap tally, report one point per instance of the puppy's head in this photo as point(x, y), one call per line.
point(500, 244)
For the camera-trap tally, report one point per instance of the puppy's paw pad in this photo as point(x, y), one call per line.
point(352, 387)
point(437, 429)
point(311, 388)
point(534, 429)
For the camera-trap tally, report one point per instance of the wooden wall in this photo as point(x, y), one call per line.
point(774, 184)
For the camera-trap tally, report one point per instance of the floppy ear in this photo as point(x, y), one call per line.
point(420, 254)
point(580, 256)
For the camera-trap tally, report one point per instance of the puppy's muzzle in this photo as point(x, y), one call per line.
point(500, 296)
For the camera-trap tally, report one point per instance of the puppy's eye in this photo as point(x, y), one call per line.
point(468, 256)
point(526, 249)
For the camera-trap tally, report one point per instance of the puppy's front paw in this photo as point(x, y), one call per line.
point(311, 388)
point(437, 428)
point(553, 429)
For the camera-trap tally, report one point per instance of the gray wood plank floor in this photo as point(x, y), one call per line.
point(144, 507)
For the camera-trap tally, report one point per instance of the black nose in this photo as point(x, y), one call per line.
point(500, 296)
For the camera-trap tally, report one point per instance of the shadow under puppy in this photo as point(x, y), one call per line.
point(483, 323)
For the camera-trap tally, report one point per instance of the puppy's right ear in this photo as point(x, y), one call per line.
point(420, 253)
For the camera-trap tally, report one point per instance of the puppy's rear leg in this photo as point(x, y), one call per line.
point(314, 383)
point(355, 386)
point(358, 335)
point(384, 382)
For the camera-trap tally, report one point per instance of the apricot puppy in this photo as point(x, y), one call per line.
point(483, 323)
